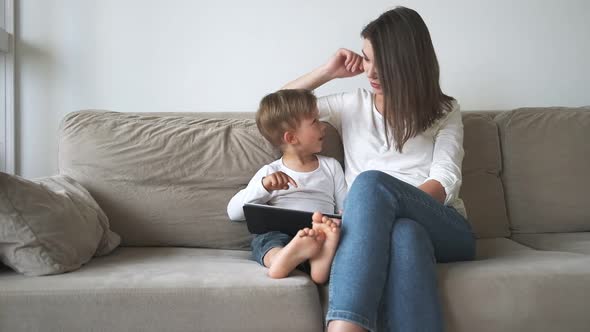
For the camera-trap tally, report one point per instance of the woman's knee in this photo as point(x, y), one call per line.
point(375, 180)
point(369, 178)
point(369, 183)
point(363, 189)
point(373, 190)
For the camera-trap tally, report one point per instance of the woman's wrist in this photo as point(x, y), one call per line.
point(324, 74)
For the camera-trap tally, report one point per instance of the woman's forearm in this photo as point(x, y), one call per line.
point(344, 63)
point(310, 81)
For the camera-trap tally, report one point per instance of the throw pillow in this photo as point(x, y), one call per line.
point(50, 225)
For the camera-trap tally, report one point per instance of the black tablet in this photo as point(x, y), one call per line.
point(262, 218)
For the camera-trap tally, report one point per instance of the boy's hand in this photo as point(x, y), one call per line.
point(277, 181)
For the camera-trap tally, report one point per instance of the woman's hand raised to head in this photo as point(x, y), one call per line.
point(344, 63)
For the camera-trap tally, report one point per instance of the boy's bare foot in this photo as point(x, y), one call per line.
point(306, 244)
point(322, 262)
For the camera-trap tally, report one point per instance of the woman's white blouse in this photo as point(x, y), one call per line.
point(436, 153)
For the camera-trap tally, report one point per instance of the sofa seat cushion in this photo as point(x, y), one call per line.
point(161, 289)
point(572, 242)
point(515, 288)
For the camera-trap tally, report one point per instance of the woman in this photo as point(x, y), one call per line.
point(403, 144)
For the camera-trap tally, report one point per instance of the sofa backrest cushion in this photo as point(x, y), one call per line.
point(166, 179)
point(546, 156)
point(482, 190)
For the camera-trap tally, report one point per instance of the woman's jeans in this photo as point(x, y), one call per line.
point(383, 277)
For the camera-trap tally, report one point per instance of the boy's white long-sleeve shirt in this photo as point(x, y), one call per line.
point(323, 189)
point(436, 153)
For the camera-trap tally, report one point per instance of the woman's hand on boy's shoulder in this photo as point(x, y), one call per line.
point(277, 181)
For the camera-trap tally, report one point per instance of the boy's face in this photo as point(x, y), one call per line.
point(310, 134)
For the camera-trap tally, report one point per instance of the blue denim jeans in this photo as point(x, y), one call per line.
point(383, 276)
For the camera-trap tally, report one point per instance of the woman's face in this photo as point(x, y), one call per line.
point(369, 67)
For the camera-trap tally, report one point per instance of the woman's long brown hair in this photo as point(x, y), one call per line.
point(408, 72)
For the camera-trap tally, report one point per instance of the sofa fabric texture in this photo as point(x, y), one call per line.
point(482, 166)
point(578, 242)
point(546, 156)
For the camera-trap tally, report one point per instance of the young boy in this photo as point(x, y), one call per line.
point(300, 180)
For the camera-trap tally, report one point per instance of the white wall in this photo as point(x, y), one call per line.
point(181, 55)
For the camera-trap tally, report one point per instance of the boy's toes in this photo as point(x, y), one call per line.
point(330, 222)
point(316, 217)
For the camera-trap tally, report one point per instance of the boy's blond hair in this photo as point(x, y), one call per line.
point(283, 110)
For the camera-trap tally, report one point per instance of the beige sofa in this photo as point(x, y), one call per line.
point(164, 181)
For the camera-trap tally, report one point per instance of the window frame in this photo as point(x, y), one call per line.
point(7, 109)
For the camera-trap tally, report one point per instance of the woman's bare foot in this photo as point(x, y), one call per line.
point(306, 244)
point(322, 262)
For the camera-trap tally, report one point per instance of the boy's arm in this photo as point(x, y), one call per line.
point(253, 193)
point(340, 188)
